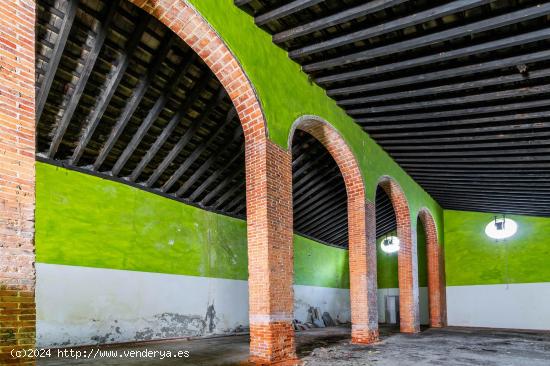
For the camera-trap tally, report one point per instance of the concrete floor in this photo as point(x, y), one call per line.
point(331, 346)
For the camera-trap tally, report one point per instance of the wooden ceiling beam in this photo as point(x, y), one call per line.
point(472, 69)
point(57, 52)
point(190, 99)
point(513, 41)
point(196, 153)
point(110, 87)
point(184, 139)
point(384, 28)
point(285, 10)
point(454, 101)
point(217, 174)
point(133, 102)
point(335, 19)
point(237, 135)
point(155, 111)
point(73, 101)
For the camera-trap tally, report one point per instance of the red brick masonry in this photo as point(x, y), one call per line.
point(17, 150)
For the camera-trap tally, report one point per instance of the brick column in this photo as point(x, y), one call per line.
point(436, 278)
point(17, 145)
point(270, 251)
point(407, 260)
point(361, 230)
point(362, 265)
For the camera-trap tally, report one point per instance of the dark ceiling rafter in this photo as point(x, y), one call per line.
point(387, 27)
point(74, 98)
point(456, 90)
point(446, 35)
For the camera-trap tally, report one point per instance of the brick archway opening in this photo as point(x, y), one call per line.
point(268, 187)
point(361, 229)
point(409, 313)
point(436, 272)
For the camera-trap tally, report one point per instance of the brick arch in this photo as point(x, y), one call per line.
point(407, 257)
point(361, 228)
point(193, 29)
point(436, 272)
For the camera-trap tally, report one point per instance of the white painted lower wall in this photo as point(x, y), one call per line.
point(517, 306)
point(335, 301)
point(424, 309)
point(82, 305)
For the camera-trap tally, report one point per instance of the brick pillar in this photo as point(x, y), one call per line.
point(270, 251)
point(362, 264)
point(407, 260)
point(361, 230)
point(436, 278)
point(17, 145)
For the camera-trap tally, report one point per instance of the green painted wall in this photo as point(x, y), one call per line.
point(317, 264)
point(88, 221)
point(472, 258)
point(286, 94)
point(82, 220)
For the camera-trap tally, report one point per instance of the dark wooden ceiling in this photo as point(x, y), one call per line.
point(121, 97)
point(457, 92)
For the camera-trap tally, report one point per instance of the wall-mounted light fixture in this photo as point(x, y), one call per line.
point(501, 228)
point(390, 244)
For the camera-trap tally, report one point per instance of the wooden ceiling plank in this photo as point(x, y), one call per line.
point(285, 10)
point(109, 90)
point(195, 154)
point(133, 102)
point(57, 52)
point(176, 119)
point(104, 24)
point(335, 19)
point(386, 27)
point(518, 16)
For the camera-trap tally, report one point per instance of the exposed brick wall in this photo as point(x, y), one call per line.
point(407, 258)
point(436, 275)
point(270, 252)
point(361, 228)
point(17, 146)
